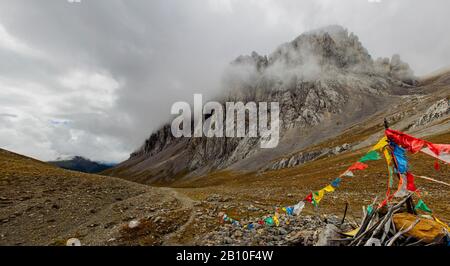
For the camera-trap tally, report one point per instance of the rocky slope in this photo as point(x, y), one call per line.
point(41, 204)
point(325, 82)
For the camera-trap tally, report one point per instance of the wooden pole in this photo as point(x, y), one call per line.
point(386, 124)
point(345, 213)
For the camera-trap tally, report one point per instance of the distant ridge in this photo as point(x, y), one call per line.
point(81, 164)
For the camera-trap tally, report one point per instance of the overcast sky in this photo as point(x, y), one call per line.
point(96, 78)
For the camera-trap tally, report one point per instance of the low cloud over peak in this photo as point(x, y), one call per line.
point(95, 78)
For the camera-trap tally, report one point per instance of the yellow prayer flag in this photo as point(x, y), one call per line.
point(329, 188)
point(388, 157)
point(353, 232)
point(441, 223)
point(275, 219)
point(381, 144)
point(318, 197)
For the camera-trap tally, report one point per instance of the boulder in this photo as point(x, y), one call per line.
point(427, 230)
point(327, 235)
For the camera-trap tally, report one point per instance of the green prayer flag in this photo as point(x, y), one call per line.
point(369, 209)
point(422, 206)
point(314, 202)
point(370, 156)
point(269, 220)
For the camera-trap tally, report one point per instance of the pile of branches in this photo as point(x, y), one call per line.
point(378, 228)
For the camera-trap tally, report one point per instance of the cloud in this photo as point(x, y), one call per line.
point(10, 43)
point(95, 78)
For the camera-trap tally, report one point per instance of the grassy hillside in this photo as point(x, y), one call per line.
point(41, 204)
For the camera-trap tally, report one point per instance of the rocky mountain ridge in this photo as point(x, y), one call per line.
point(324, 81)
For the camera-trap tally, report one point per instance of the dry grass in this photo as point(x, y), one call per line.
point(44, 205)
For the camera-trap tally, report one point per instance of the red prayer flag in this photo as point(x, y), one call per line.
point(413, 144)
point(383, 203)
point(439, 148)
point(443, 147)
point(410, 182)
point(436, 165)
point(357, 166)
point(309, 198)
point(408, 142)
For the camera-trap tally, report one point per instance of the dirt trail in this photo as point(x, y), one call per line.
point(186, 203)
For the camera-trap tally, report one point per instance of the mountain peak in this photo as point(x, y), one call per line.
point(337, 32)
point(324, 78)
point(331, 49)
point(328, 47)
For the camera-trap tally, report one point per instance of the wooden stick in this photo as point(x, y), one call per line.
point(367, 222)
point(345, 213)
point(358, 239)
point(387, 226)
point(383, 222)
point(394, 230)
point(401, 232)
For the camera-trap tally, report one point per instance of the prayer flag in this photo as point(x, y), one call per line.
point(388, 156)
point(422, 206)
point(381, 144)
point(369, 209)
point(436, 165)
point(336, 182)
point(275, 219)
point(329, 188)
point(408, 142)
point(400, 157)
point(358, 166)
point(268, 221)
point(410, 182)
point(290, 210)
point(349, 174)
point(318, 196)
point(309, 198)
point(443, 156)
point(299, 207)
point(370, 156)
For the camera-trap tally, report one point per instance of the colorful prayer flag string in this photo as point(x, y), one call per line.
point(394, 146)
